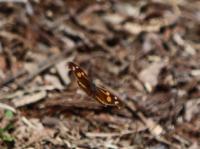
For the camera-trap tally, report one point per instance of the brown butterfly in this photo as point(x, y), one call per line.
point(102, 95)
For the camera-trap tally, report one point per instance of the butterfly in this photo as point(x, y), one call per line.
point(102, 95)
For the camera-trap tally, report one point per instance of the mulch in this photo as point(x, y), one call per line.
point(147, 53)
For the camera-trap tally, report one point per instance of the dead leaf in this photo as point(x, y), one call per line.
point(149, 75)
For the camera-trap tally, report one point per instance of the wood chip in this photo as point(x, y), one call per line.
point(63, 70)
point(149, 75)
point(192, 108)
point(29, 99)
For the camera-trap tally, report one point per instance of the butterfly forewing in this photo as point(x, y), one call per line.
point(78, 72)
point(82, 78)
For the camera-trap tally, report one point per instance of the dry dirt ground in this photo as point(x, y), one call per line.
point(145, 52)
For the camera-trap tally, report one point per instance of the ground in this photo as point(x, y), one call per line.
point(146, 53)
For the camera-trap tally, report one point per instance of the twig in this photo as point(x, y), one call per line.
point(78, 103)
point(7, 107)
point(41, 67)
point(12, 78)
point(155, 129)
point(108, 135)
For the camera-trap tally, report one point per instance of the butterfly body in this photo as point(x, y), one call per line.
point(100, 94)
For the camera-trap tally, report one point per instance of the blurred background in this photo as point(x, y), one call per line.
point(145, 52)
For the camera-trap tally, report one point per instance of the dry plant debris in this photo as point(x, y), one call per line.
point(145, 52)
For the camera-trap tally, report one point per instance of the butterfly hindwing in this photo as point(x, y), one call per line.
point(107, 98)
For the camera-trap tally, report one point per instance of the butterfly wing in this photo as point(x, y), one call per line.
point(107, 98)
point(82, 79)
point(100, 94)
point(78, 72)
